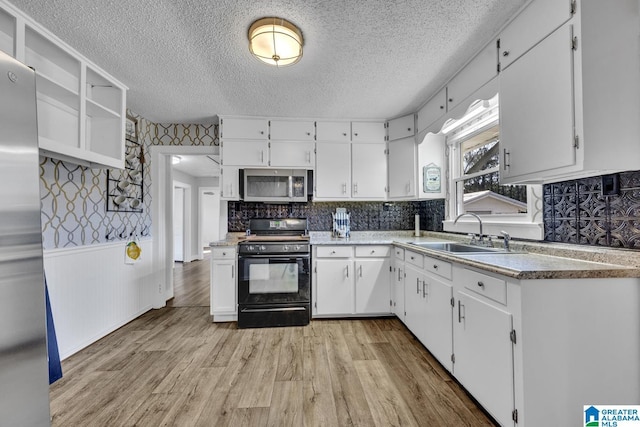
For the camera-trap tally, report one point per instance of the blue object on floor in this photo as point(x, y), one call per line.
point(55, 368)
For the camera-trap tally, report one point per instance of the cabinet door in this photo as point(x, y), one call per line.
point(292, 154)
point(244, 128)
point(334, 286)
point(539, 19)
point(245, 153)
point(537, 110)
point(402, 127)
point(402, 168)
point(223, 286)
point(7, 33)
point(333, 131)
point(484, 354)
point(288, 130)
point(432, 110)
point(438, 336)
point(333, 170)
point(368, 132)
point(372, 286)
point(229, 183)
point(473, 76)
point(368, 171)
point(414, 301)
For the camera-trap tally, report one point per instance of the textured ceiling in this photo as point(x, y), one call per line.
point(186, 61)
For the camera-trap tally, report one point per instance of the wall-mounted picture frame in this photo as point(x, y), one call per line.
point(131, 128)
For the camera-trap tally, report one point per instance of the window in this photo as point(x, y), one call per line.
point(474, 180)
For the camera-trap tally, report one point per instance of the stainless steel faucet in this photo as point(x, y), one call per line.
point(507, 239)
point(481, 237)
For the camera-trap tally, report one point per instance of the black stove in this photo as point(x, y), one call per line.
point(274, 277)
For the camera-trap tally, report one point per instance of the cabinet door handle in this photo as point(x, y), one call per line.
point(417, 285)
point(506, 155)
point(505, 53)
point(261, 156)
point(424, 289)
point(261, 132)
point(355, 188)
point(344, 188)
point(399, 274)
point(308, 156)
point(442, 107)
point(308, 133)
point(360, 271)
point(347, 271)
point(460, 316)
point(344, 134)
point(233, 271)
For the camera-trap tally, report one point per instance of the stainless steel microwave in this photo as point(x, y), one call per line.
point(275, 185)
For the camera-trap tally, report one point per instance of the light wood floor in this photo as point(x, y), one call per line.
point(174, 367)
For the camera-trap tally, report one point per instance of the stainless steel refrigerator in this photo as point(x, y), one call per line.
point(24, 375)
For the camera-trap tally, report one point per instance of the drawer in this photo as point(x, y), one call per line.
point(436, 266)
point(227, 252)
point(373, 251)
point(414, 258)
point(399, 253)
point(483, 284)
point(334, 251)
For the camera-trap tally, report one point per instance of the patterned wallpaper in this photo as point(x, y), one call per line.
point(577, 212)
point(73, 197)
point(364, 215)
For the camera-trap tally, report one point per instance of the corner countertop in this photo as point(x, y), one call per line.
point(530, 260)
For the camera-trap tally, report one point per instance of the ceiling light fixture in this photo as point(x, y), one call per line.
point(275, 41)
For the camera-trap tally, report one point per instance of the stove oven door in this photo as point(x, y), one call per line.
point(269, 279)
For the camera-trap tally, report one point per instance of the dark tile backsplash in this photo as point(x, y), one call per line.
point(365, 216)
point(577, 212)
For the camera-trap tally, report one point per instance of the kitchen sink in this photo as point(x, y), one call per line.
point(458, 248)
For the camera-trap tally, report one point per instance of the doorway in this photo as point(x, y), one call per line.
point(162, 190)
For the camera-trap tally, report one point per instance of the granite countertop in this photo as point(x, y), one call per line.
point(530, 260)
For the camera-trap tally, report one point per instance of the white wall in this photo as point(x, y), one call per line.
point(93, 292)
point(193, 182)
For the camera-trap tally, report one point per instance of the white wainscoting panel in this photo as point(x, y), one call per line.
point(93, 292)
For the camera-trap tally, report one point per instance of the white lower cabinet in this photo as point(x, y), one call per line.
point(351, 280)
point(224, 305)
point(333, 287)
point(397, 291)
point(438, 330)
point(484, 355)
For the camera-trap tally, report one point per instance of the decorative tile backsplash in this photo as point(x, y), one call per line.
point(365, 216)
point(577, 212)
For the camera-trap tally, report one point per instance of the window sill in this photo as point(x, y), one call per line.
point(516, 227)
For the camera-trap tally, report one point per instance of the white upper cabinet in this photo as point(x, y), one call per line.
point(538, 20)
point(569, 106)
point(402, 127)
point(368, 171)
point(402, 169)
point(7, 33)
point(368, 132)
point(290, 130)
point(482, 68)
point(244, 128)
point(292, 154)
point(532, 140)
point(81, 108)
point(332, 179)
point(432, 110)
point(333, 131)
point(245, 153)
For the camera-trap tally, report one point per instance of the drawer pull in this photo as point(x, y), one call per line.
point(333, 252)
point(373, 251)
point(412, 258)
point(460, 315)
point(435, 266)
point(481, 285)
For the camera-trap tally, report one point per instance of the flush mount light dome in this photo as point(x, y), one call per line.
point(275, 41)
